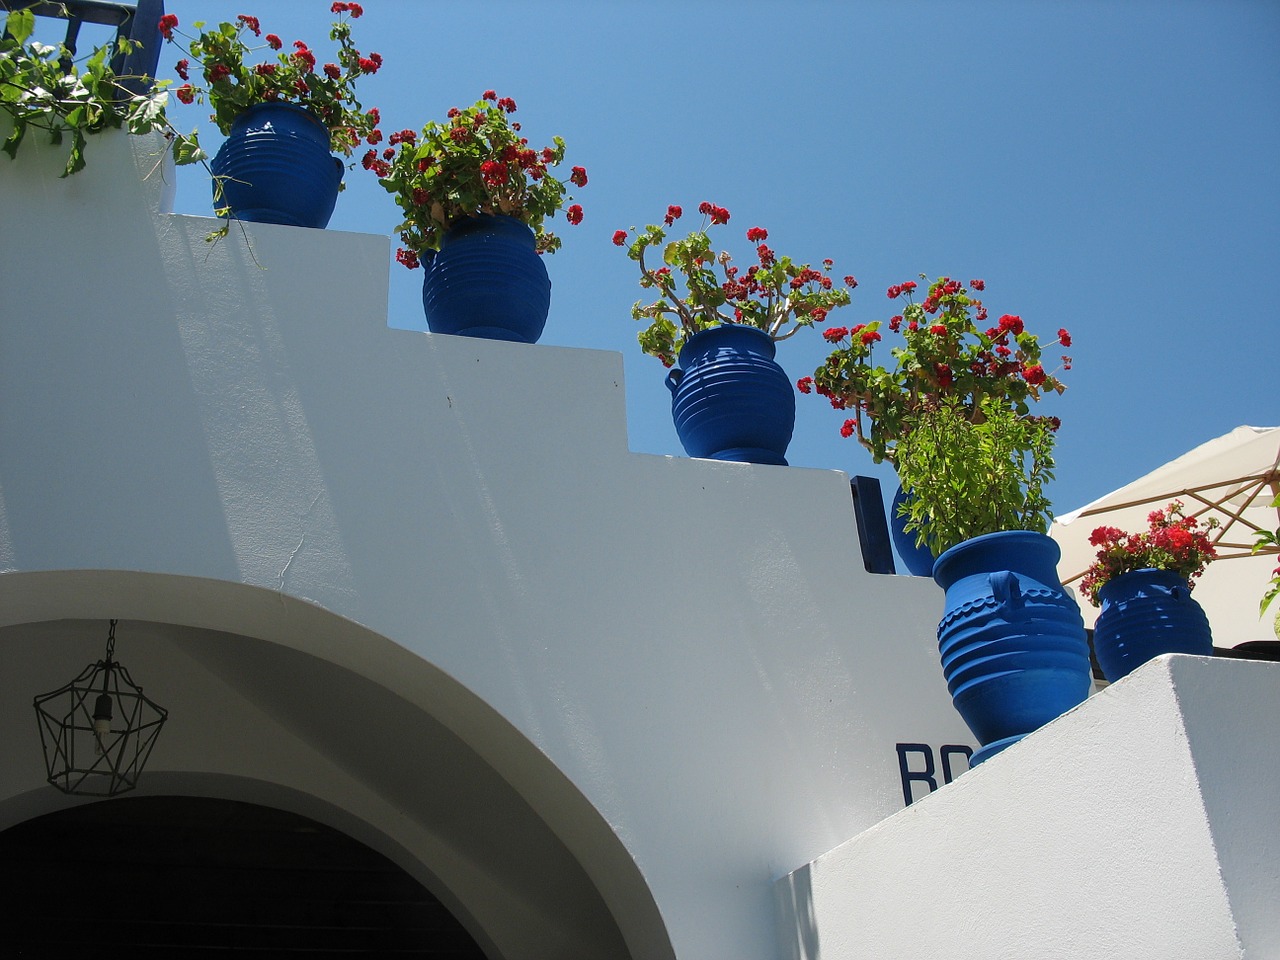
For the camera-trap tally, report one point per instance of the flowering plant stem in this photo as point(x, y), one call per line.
point(774, 295)
point(1267, 541)
point(473, 164)
point(947, 353)
point(232, 85)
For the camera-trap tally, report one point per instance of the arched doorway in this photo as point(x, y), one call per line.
point(198, 876)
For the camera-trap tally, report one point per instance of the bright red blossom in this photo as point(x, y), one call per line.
point(574, 214)
point(1011, 324)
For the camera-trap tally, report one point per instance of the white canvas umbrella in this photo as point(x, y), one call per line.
point(1234, 478)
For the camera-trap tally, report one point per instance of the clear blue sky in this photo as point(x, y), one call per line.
point(1109, 167)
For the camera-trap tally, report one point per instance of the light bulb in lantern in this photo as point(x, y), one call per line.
point(101, 721)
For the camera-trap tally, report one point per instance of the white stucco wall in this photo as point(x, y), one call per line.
point(691, 647)
point(1142, 824)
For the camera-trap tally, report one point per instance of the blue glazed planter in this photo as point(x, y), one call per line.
point(275, 167)
point(488, 281)
point(1146, 613)
point(1011, 639)
point(730, 400)
point(917, 559)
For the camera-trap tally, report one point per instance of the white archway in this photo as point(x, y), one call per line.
point(281, 703)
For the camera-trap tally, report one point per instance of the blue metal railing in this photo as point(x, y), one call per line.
point(137, 22)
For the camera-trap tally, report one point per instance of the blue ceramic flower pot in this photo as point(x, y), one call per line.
point(275, 167)
point(730, 400)
point(917, 559)
point(488, 281)
point(1146, 613)
point(1011, 639)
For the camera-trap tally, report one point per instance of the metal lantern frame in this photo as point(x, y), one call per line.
point(98, 730)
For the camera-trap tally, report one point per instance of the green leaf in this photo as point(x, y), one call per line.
point(21, 24)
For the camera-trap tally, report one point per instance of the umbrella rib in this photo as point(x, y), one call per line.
point(1270, 477)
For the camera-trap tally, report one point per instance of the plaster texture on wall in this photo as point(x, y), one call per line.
point(1140, 825)
point(679, 666)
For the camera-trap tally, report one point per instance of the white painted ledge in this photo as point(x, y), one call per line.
point(1143, 824)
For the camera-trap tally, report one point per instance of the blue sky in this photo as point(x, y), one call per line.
point(1109, 167)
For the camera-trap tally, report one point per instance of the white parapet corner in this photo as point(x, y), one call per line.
point(1143, 825)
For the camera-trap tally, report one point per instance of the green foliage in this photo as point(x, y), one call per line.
point(37, 93)
point(967, 475)
point(1267, 541)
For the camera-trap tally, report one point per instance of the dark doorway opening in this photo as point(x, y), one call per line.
point(199, 877)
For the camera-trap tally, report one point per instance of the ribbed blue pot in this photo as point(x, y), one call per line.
point(1146, 613)
point(1011, 639)
point(730, 400)
point(917, 559)
point(487, 280)
point(275, 167)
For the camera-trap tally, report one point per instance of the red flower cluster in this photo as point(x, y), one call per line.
point(354, 9)
point(574, 214)
point(251, 23)
point(1172, 541)
point(166, 25)
point(756, 234)
point(578, 177)
point(493, 173)
point(717, 214)
point(620, 238)
point(674, 213)
point(899, 289)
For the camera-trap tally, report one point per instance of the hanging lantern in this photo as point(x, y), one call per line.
point(98, 730)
